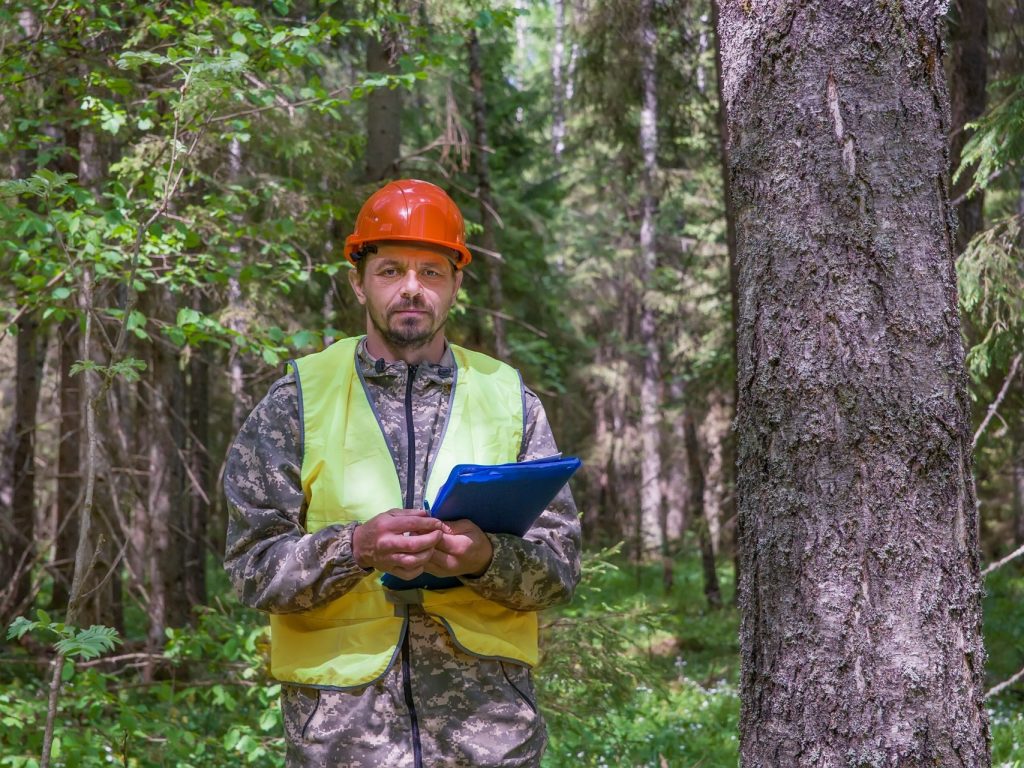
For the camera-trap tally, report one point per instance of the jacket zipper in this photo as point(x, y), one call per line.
point(410, 433)
point(410, 497)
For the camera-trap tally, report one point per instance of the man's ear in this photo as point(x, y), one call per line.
point(357, 285)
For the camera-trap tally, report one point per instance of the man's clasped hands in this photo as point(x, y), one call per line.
point(409, 542)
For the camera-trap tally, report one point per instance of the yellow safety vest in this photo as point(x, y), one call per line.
point(348, 475)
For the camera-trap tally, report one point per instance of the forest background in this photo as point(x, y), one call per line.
point(180, 177)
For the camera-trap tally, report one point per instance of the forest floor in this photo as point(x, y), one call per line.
point(632, 675)
point(684, 710)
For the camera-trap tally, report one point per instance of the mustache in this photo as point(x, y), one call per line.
point(416, 303)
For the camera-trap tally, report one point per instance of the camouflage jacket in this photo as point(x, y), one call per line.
point(276, 566)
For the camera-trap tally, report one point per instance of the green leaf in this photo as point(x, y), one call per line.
point(270, 357)
point(134, 59)
point(231, 738)
point(20, 627)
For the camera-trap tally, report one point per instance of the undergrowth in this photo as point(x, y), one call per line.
point(632, 675)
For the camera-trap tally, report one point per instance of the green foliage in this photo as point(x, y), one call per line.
point(72, 642)
point(207, 701)
point(997, 141)
point(991, 278)
point(633, 676)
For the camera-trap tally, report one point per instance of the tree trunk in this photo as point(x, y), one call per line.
point(383, 110)
point(200, 482)
point(651, 534)
point(967, 82)
point(676, 483)
point(167, 502)
point(488, 212)
point(698, 512)
point(240, 401)
point(558, 82)
point(1017, 462)
point(730, 243)
point(860, 637)
point(18, 529)
point(69, 464)
point(714, 432)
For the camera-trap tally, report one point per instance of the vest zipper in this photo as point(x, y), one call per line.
point(410, 497)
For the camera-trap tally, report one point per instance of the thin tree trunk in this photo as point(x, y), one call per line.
point(558, 82)
point(240, 401)
point(967, 82)
point(18, 529)
point(200, 477)
point(650, 379)
point(698, 512)
point(730, 242)
point(1018, 491)
point(488, 211)
point(167, 502)
point(383, 110)
point(69, 464)
point(715, 431)
point(676, 484)
point(861, 614)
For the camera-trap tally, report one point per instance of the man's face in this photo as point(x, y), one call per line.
point(407, 290)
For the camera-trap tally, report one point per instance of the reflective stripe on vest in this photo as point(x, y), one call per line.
point(348, 474)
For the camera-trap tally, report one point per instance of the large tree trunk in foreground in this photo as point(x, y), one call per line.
point(860, 637)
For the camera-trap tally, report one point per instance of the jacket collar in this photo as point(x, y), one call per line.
point(378, 368)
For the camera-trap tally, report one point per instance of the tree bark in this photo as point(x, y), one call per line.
point(1017, 464)
point(698, 513)
point(651, 533)
point(676, 481)
point(69, 464)
point(18, 529)
point(558, 82)
point(200, 478)
point(488, 211)
point(730, 243)
point(861, 612)
point(383, 110)
point(167, 502)
point(714, 432)
point(968, 79)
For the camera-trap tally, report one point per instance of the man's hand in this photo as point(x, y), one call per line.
point(464, 550)
point(399, 541)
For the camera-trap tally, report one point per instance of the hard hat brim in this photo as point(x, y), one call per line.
point(354, 243)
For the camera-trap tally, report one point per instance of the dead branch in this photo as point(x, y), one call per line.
point(999, 398)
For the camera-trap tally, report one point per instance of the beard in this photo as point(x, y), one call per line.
point(410, 332)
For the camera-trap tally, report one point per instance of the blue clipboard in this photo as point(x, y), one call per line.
point(500, 498)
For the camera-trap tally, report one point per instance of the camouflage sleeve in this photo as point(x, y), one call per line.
point(542, 568)
point(273, 563)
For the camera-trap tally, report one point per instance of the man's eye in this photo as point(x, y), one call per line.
point(431, 273)
point(389, 272)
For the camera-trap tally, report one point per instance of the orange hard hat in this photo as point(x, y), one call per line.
point(410, 210)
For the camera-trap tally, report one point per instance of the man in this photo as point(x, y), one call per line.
point(327, 483)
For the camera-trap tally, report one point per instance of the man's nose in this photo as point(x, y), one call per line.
point(411, 283)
